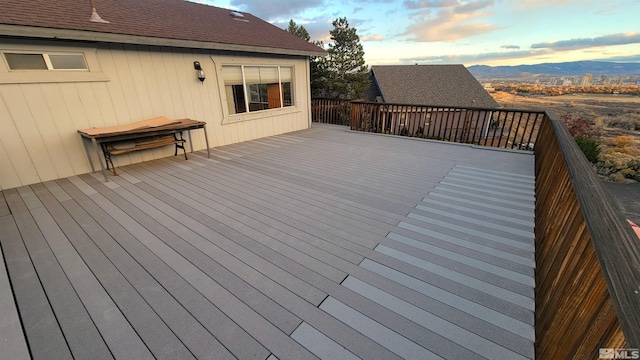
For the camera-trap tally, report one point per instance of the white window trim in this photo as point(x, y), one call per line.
point(254, 115)
point(47, 60)
point(93, 73)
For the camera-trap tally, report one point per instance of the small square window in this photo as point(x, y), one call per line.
point(26, 61)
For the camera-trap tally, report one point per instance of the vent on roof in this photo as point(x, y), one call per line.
point(95, 17)
point(238, 16)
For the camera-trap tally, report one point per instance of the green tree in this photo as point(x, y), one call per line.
point(318, 66)
point(345, 62)
point(298, 31)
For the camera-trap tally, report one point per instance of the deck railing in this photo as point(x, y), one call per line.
point(331, 111)
point(587, 257)
point(511, 129)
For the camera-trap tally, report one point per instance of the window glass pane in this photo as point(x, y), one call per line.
point(25, 61)
point(287, 98)
point(269, 75)
point(286, 73)
point(264, 87)
point(67, 61)
point(258, 99)
point(252, 75)
point(240, 103)
point(261, 74)
point(232, 75)
point(273, 95)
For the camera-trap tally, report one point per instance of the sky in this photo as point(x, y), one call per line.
point(484, 32)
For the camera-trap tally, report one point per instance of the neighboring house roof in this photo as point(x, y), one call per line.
point(435, 85)
point(149, 22)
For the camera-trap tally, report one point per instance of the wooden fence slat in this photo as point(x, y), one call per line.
point(586, 255)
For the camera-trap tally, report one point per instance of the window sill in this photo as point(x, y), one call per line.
point(51, 76)
point(234, 118)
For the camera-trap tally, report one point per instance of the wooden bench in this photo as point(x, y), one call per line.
point(141, 135)
point(144, 143)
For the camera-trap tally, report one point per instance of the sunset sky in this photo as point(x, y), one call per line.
point(489, 32)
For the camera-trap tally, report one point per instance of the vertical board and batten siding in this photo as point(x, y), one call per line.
point(39, 120)
point(587, 257)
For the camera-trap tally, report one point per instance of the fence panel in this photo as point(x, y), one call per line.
point(331, 111)
point(511, 129)
point(587, 257)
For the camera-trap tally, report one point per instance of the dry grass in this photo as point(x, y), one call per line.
point(614, 115)
point(616, 118)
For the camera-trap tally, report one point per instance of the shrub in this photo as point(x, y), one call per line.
point(626, 144)
point(625, 121)
point(590, 147)
point(618, 166)
point(580, 126)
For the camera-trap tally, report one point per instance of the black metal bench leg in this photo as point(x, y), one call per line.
point(181, 146)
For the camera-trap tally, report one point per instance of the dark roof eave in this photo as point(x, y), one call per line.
point(64, 34)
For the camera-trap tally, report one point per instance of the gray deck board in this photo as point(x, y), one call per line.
point(13, 344)
point(217, 323)
point(48, 304)
point(153, 235)
point(191, 332)
point(322, 243)
point(201, 252)
point(4, 208)
point(155, 334)
point(287, 195)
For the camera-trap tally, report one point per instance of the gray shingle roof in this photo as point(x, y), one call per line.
point(181, 22)
point(436, 85)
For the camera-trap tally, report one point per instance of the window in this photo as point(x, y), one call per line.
point(24, 61)
point(256, 88)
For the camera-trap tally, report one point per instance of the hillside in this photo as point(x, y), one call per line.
point(576, 68)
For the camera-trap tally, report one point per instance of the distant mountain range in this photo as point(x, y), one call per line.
point(576, 68)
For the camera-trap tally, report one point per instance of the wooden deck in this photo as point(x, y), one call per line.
point(322, 243)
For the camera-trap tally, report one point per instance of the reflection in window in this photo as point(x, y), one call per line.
point(256, 88)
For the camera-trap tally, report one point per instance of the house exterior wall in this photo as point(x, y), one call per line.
point(40, 111)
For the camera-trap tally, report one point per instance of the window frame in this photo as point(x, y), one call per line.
point(261, 113)
point(91, 73)
point(46, 57)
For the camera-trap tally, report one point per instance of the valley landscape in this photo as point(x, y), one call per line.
point(614, 117)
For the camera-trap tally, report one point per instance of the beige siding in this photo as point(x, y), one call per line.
point(127, 83)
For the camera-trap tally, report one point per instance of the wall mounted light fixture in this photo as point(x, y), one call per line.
point(200, 74)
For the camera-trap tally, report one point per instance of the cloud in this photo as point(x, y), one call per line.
point(549, 50)
point(275, 9)
point(374, 37)
point(451, 20)
point(424, 4)
point(584, 43)
point(627, 58)
point(475, 58)
point(473, 6)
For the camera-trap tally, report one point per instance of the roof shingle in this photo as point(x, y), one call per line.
point(162, 19)
point(435, 85)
